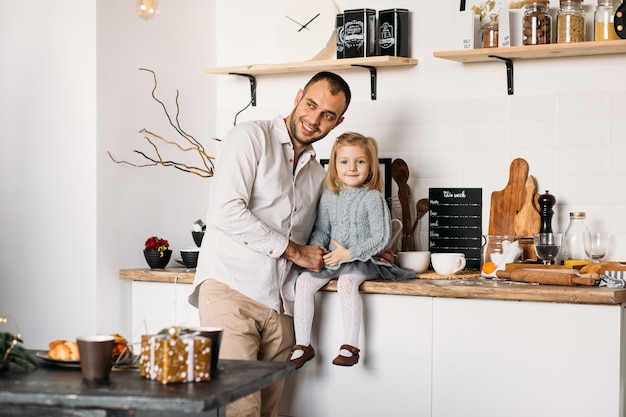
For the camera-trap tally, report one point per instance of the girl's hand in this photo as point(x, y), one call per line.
point(340, 253)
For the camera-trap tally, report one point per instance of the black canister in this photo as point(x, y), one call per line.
point(393, 32)
point(359, 33)
point(339, 36)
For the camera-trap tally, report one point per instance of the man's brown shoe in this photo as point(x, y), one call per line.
point(347, 360)
point(309, 353)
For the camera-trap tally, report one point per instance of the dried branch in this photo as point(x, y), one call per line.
point(206, 169)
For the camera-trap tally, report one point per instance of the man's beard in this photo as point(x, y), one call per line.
point(294, 130)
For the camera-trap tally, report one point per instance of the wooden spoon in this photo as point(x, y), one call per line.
point(421, 207)
point(400, 174)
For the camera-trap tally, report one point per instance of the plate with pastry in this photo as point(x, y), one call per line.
point(62, 353)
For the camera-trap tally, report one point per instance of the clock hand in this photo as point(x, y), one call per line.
point(307, 23)
point(298, 23)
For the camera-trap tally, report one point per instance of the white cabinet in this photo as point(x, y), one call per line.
point(519, 359)
point(443, 357)
point(393, 376)
point(158, 305)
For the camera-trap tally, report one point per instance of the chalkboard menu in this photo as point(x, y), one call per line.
point(455, 222)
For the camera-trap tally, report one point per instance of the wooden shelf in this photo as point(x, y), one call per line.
point(309, 66)
point(370, 63)
point(555, 50)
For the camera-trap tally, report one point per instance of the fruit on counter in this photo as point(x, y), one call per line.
point(121, 344)
point(489, 267)
point(63, 350)
point(602, 267)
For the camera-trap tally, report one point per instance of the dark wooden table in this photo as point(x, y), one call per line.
point(53, 391)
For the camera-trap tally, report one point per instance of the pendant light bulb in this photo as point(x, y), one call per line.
point(147, 9)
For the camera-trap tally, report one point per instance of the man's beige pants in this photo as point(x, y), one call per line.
point(252, 331)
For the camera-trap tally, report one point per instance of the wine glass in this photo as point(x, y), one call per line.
point(547, 246)
point(597, 245)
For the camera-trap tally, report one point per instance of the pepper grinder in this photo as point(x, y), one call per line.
point(546, 203)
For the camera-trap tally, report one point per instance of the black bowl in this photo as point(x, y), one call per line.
point(190, 258)
point(197, 237)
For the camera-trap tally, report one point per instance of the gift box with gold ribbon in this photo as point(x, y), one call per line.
point(175, 358)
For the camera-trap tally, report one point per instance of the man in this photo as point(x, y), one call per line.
point(262, 208)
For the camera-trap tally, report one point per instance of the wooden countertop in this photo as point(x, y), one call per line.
point(467, 287)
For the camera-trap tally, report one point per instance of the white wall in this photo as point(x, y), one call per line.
point(70, 218)
point(47, 186)
point(454, 124)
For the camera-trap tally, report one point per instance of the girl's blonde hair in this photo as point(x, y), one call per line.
point(374, 180)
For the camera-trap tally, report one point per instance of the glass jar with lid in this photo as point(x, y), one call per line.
point(570, 22)
point(603, 18)
point(536, 23)
point(574, 240)
point(489, 32)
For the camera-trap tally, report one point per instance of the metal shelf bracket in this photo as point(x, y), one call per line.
point(373, 79)
point(509, 72)
point(252, 86)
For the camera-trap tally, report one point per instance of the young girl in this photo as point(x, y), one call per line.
point(353, 223)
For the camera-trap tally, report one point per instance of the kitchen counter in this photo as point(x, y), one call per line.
point(495, 347)
point(468, 286)
point(60, 391)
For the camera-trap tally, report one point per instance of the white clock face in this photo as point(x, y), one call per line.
point(306, 30)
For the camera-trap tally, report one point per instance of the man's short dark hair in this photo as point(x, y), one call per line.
point(335, 82)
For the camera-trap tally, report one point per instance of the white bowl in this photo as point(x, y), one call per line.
point(415, 260)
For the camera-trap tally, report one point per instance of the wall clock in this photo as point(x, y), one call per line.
point(306, 30)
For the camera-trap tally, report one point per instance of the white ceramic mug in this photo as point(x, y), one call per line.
point(447, 263)
point(415, 260)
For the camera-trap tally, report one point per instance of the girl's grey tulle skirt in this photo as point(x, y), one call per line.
point(370, 269)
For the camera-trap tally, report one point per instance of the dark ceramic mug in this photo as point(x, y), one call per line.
point(215, 335)
point(96, 356)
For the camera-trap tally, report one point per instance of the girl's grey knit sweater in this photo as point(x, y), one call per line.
point(357, 218)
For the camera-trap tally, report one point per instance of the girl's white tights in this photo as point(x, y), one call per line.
point(304, 308)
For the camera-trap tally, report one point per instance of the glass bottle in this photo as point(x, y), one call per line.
point(489, 32)
point(574, 240)
point(603, 18)
point(570, 22)
point(536, 23)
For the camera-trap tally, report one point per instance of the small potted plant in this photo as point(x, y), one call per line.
point(157, 252)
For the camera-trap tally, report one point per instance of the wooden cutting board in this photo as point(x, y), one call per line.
point(507, 203)
point(528, 221)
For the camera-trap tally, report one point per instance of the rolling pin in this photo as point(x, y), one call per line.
point(549, 277)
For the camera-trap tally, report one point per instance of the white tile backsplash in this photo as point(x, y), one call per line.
point(584, 105)
point(456, 126)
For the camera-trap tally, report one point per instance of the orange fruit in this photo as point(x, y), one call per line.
point(489, 267)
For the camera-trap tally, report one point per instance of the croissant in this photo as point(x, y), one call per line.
point(63, 350)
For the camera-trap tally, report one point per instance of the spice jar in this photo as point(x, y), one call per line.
point(489, 32)
point(537, 23)
point(574, 240)
point(604, 28)
point(570, 22)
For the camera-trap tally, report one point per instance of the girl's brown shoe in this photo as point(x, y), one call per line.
point(347, 360)
point(309, 353)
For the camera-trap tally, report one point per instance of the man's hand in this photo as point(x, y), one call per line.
point(341, 253)
point(309, 257)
